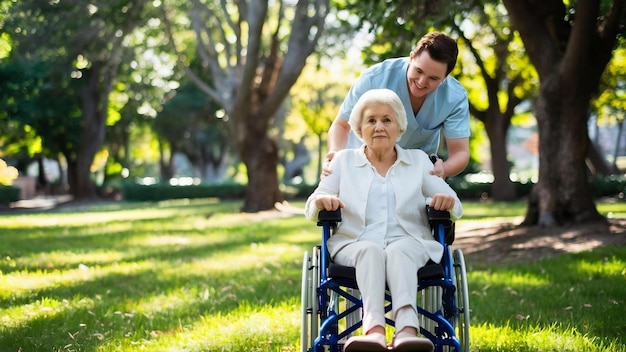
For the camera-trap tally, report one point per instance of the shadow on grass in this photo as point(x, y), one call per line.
point(502, 242)
point(132, 242)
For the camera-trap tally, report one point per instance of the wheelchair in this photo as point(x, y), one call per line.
point(331, 302)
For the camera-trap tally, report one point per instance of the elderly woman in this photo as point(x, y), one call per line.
point(384, 233)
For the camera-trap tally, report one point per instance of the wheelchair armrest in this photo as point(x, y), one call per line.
point(436, 217)
point(332, 217)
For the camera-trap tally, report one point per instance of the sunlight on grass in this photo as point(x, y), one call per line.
point(610, 267)
point(249, 328)
point(62, 259)
point(22, 284)
point(612, 210)
point(173, 240)
point(555, 338)
point(16, 316)
point(510, 278)
point(248, 324)
point(81, 219)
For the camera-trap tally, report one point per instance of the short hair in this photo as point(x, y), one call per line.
point(378, 96)
point(440, 47)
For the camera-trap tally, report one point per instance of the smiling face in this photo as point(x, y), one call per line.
point(379, 126)
point(424, 74)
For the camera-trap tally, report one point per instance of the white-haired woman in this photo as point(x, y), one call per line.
point(383, 189)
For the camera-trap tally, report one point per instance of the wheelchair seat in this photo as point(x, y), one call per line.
point(431, 270)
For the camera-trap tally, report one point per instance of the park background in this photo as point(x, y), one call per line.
point(121, 103)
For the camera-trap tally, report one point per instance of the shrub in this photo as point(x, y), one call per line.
point(606, 186)
point(600, 186)
point(163, 191)
point(9, 194)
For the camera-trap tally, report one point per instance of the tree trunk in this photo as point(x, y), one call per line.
point(570, 53)
point(71, 173)
point(618, 140)
point(502, 188)
point(260, 155)
point(597, 164)
point(563, 194)
point(94, 101)
point(495, 119)
point(166, 167)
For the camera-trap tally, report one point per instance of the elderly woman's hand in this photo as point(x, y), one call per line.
point(442, 201)
point(329, 203)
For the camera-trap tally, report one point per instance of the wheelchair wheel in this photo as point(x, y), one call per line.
point(304, 300)
point(462, 298)
point(308, 296)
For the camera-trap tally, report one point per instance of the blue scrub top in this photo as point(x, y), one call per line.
point(445, 109)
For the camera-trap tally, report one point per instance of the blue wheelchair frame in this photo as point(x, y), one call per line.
point(330, 282)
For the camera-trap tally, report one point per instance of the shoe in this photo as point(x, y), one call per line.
point(412, 344)
point(368, 343)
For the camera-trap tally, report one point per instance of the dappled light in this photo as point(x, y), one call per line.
point(510, 279)
point(115, 114)
point(200, 276)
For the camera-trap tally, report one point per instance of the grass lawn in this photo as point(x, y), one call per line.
point(196, 275)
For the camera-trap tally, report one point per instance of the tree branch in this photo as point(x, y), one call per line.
point(307, 27)
point(609, 29)
point(207, 52)
point(579, 44)
point(236, 28)
point(179, 58)
point(533, 21)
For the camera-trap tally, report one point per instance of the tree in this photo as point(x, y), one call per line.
point(570, 44)
point(610, 104)
point(79, 47)
point(501, 81)
point(16, 140)
point(147, 75)
point(316, 100)
point(190, 124)
point(505, 79)
point(255, 51)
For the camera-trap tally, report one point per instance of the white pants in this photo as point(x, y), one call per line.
point(397, 264)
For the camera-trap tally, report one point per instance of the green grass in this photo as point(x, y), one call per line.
point(199, 276)
point(573, 302)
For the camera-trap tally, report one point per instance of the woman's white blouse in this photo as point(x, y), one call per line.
point(378, 208)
